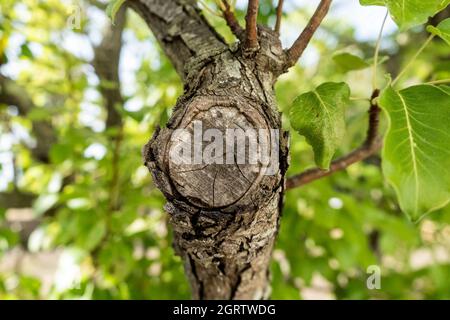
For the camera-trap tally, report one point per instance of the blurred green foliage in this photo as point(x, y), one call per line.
point(331, 230)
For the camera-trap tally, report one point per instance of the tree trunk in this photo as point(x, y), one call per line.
point(224, 216)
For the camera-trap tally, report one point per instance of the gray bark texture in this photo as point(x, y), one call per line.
point(225, 217)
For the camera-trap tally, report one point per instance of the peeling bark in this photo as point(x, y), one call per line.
point(224, 217)
point(180, 29)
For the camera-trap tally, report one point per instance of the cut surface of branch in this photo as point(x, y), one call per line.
point(299, 46)
point(370, 146)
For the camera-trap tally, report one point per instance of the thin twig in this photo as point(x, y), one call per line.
point(299, 46)
point(230, 18)
point(251, 29)
point(443, 81)
point(114, 192)
point(370, 146)
point(279, 16)
point(413, 59)
point(359, 99)
point(377, 52)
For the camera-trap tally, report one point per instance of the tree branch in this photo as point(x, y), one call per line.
point(299, 46)
point(251, 28)
point(106, 65)
point(230, 19)
point(370, 146)
point(180, 29)
point(279, 16)
point(13, 94)
point(99, 4)
point(16, 199)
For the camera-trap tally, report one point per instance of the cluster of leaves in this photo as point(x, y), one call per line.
point(411, 13)
point(417, 142)
point(350, 221)
point(103, 253)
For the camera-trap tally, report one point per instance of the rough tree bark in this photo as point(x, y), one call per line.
point(224, 217)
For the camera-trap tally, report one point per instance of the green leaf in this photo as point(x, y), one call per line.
point(3, 58)
point(442, 30)
point(25, 51)
point(410, 13)
point(37, 114)
point(109, 85)
point(93, 236)
point(319, 116)
point(113, 8)
point(381, 60)
point(349, 62)
point(372, 2)
point(60, 152)
point(416, 154)
point(45, 202)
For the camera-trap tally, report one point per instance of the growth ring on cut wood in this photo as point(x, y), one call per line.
point(212, 161)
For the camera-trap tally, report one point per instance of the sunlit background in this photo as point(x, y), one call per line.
point(62, 239)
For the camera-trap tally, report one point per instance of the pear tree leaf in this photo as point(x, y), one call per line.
point(410, 13)
point(349, 62)
point(44, 202)
point(89, 238)
point(416, 154)
point(442, 30)
point(319, 116)
point(114, 7)
point(372, 2)
point(381, 60)
point(25, 51)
